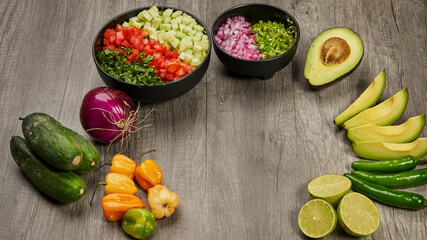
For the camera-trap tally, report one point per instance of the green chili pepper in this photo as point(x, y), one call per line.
point(138, 222)
point(395, 180)
point(274, 38)
point(388, 166)
point(387, 195)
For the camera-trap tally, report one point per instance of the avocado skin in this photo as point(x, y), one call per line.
point(318, 87)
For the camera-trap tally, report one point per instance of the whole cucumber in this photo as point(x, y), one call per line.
point(90, 154)
point(61, 185)
point(52, 141)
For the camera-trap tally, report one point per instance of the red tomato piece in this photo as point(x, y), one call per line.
point(126, 44)
point(173, 67)
point(119, 27)
point(144, 33)
point(106, 41)
point(119, 36)
point(170, 77)
point(145, 41)
point(180, 72)
point(109, 32)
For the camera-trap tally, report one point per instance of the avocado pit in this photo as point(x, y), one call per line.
point(334, 51)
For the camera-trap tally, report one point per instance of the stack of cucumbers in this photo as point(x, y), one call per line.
point(52, 155)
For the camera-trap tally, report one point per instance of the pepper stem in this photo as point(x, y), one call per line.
point(139, 159)
point(420, 160)
point(109, 164)
point(93, 194)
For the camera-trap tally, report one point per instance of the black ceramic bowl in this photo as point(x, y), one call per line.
point(254, 12)
point(153, 93)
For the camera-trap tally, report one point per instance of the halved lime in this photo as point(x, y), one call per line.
point(358, 215)
point(330, 187)
point(317, 218)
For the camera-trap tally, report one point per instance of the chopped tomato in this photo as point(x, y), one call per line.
point(169, 66)
point(119, 28)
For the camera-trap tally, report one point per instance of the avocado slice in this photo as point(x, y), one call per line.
point(366, 100)
point(403, 133)
point(382, 114)
point(378, 150)
point(332, 55)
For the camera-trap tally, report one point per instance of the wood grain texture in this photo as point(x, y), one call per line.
point(238, 151)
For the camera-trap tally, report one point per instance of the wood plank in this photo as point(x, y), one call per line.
point(239, 151)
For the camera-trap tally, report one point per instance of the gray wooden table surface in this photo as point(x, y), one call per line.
point(238, 151)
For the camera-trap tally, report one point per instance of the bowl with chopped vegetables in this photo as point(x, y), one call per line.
point(255, 40)
point(152, 53)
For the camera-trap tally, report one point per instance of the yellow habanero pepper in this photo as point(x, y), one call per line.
point(148, 174)
point(116, 183)
point(119, 183)
point(123, 165)
point(162, 201)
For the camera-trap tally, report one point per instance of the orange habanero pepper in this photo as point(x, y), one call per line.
point(148, 174)
point(123, 165)
point(115, 205)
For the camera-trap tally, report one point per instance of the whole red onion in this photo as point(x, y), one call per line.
point(107, 114)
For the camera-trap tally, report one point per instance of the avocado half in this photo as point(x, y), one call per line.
point(332, 55)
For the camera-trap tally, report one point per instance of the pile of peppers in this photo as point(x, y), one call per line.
point(378, 180)
point(120, 202)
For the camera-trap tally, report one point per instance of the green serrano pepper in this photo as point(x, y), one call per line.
point(388, 166)
point(387, 195)
point(395, 180)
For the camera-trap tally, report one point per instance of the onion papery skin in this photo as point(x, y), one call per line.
point(101, 111)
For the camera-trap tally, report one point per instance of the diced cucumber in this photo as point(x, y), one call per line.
point(195, 62)
point(182, 27)
point(187, 29)
point(170, 34)
point(136, 21)
point(198, 54)
point(181, 35)
point(188, 58)
point(167, 19)
point(205, 37)
point(188, 52)
point(192, 33)
point(126, 24)
point(162, 37)
point(174, 42)
point(150, 30)
point(174, 24)
point(176, 14)
point(205, 46)
point(186, 19)
point(179, 19)
point(145, 16)
point(168, 12)
point(199, 28)
point(147, 25)
point(153, 11)
point(153, 35)
point(155, 23)
point(197, 47)
point(165, 26)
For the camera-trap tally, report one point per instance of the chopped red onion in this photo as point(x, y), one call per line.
point(236, 37)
